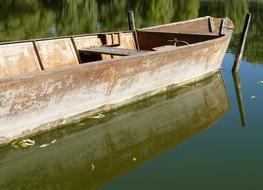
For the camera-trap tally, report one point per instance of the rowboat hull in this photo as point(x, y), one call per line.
point(40, 101)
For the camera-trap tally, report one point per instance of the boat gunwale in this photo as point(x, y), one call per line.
point(104, 62)
point(61, 37)
point(179, 22)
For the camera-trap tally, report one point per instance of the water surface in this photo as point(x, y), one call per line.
point(191, 138)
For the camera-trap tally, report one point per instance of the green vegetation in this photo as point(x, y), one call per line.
point(25, 19)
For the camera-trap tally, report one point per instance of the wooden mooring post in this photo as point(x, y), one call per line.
point(133, 28)
point(242, 42)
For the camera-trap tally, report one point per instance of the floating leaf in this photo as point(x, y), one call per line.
point(44, 145)
point(22, 144)
point(29, 142)
point(92, 167)
point(14, 144)
point(99, 116)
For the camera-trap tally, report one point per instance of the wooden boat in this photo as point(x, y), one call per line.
point(48, 82)
point(154, 127)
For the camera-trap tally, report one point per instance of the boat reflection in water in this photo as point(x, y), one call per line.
point(90, 153)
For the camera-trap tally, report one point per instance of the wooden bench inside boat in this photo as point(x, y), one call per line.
point(111, 51)
point(105, 46)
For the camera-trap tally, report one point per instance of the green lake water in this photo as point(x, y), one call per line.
point(191, 138)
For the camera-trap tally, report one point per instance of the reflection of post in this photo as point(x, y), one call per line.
point(239, 98)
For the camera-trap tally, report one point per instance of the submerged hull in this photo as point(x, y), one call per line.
point(142, 131)
point(39, 101)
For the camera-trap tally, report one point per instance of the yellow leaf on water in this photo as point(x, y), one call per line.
point(44, 145)
point(99, 116)
point(22, 144)
point(14, 144)
point(29, 142)
point(92, 167)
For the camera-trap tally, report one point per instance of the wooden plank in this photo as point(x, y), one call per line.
point(76, 50)
point(223, 27)
point(131, 21)
point(57, 53)
point(133, 28)
point(211, 24)
point(87, 41)
point(196, 35)
point(111, 51)
point(16, 59)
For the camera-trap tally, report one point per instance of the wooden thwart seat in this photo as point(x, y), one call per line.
point(111, 51)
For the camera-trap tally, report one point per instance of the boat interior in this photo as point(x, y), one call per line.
point(17, 58)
